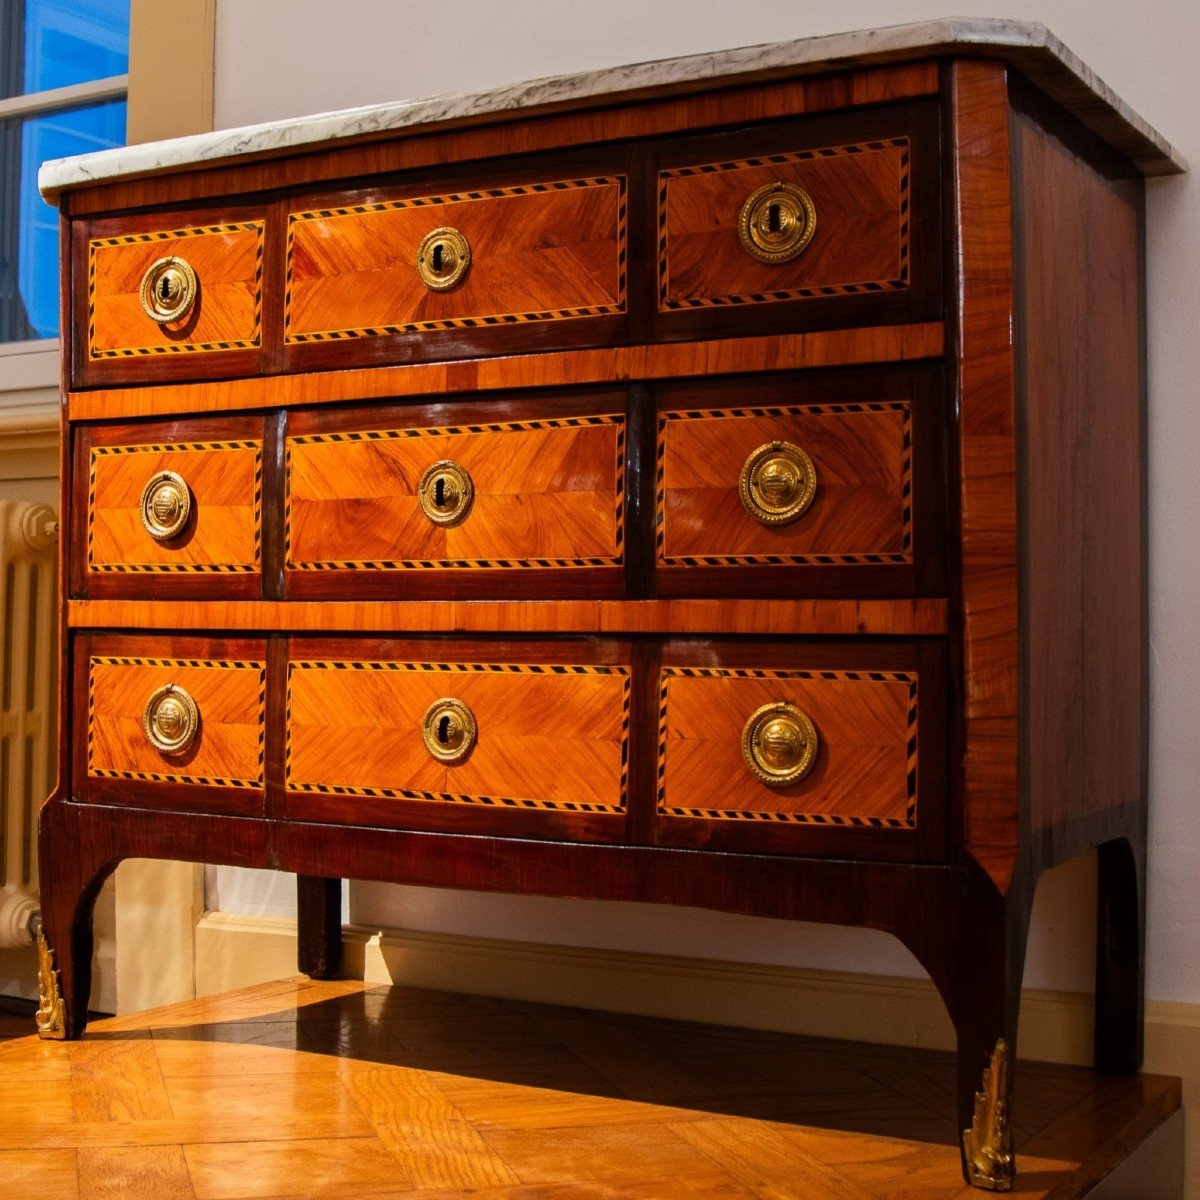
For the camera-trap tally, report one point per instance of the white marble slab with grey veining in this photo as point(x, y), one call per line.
point(1031, 47)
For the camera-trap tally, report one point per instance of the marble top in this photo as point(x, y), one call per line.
point(1031, 47)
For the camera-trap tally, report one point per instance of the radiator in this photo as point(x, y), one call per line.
point(28, 658)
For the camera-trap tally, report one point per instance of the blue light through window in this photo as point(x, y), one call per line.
point(65, 42)
point(74, 41)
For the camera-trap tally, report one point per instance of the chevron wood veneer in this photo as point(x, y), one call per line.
point(542, 251)
point(231, 695)
point(549, 735)
point(545, 493)
point(228, 314)
point(225, 479)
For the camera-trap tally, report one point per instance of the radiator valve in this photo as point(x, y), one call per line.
point(20, 919)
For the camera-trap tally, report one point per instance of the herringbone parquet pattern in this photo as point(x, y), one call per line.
point(323, 1090)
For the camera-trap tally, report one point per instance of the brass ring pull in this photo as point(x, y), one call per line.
point(171, 720)
point(778, 483)
point(443, 259)
point(165, 506)
point(169, 290)
point(448, 730)
point(779, 744)
point(445, 493)
point(777, 222)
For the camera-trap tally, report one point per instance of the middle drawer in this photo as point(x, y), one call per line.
point(169, 510)
point(458, 500)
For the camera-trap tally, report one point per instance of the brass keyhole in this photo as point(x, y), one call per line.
point(445, 493)
point(169, 290)
point(448, 730)
point(777, 222)
point(443, 259)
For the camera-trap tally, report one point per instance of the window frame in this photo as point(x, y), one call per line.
point(41, 354)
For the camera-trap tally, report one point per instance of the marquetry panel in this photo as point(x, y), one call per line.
point(862, 241)
point(223, 534)
point(229, 694)
point(227, 315)
point(864, 775)
point(547, 493)
point(550, 736)
point(861, 513)
point(539, 252)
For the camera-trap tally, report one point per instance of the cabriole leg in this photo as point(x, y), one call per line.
point(70, 882)
point(985, 1011)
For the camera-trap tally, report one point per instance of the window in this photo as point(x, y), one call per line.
point(63, 80)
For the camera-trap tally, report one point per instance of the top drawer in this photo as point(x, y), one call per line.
point(174, 295)
point(809, 223)
point(825, 221)
point(518, 263)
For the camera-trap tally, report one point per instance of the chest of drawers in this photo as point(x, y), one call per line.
point(720, 485)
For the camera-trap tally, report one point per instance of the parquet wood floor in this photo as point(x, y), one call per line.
point(322, 1090)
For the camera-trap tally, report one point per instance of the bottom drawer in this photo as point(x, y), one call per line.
point(171, 723)
point(800, 746)
point(802, 749)
point(521, 738)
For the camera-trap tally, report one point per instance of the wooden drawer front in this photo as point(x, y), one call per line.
point(227, 315)
point(546, 494)
point(229, 695)
point(875, 786)
point(872, 182)
point(223, 532)
point(551, 737)
point(860, 514)
point(538, 252)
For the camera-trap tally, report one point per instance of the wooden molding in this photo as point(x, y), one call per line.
point(681, 360)
point(901, 618)
point(234, 951)
point(170, 69)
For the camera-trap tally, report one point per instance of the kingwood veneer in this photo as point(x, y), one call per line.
point(488, 485)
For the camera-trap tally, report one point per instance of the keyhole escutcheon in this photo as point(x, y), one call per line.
point(443, 259)
point(445, 493)
point(448, 730)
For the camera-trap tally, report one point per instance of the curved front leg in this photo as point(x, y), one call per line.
point(71, 877)
point(992, 938)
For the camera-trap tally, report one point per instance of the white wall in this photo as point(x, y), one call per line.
point(277, 58)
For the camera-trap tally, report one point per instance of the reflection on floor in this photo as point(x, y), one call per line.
point(342, 1090)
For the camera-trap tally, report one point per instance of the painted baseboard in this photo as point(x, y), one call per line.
point(236, 951)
